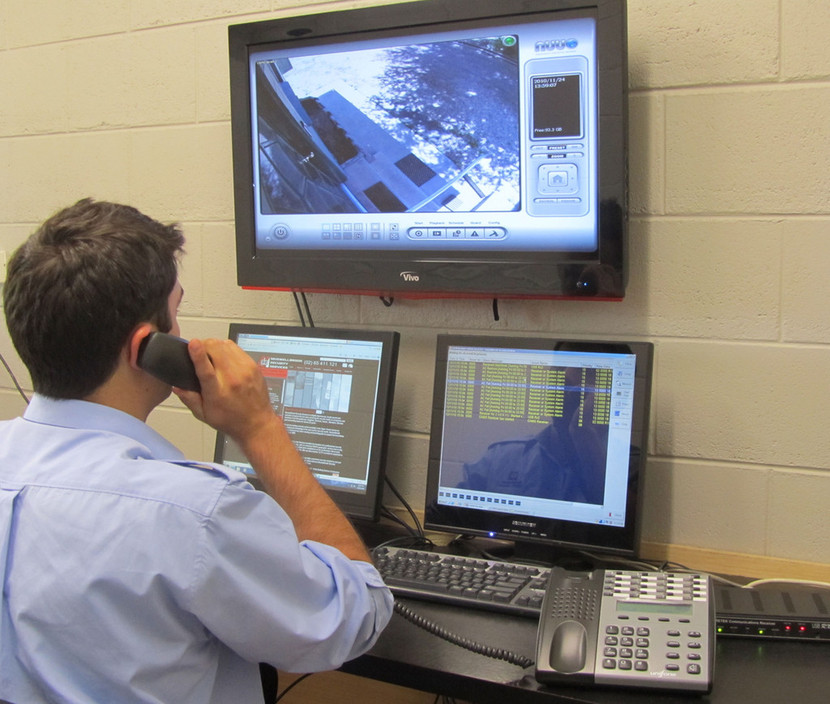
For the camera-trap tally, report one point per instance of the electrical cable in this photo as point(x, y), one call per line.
point(466, 643)
point(409, 541)
point(633, 564)
point(299, 308)
point(406, 506)
point(387, 513)
point(797, 582)
point(677, 567)
point(292, 685)
point(307, 310)
point(14, 378)
point(304, 311)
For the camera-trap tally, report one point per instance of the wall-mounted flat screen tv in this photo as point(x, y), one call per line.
point(433, 148)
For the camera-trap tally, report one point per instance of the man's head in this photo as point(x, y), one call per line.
point(80, 285)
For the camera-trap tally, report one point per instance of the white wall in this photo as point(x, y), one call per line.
point(730, 233)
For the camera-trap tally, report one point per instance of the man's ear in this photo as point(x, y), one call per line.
point(134, 342)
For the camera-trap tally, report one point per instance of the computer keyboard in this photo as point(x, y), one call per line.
point(467, 581)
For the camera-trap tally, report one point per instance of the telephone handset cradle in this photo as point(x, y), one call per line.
point(627, 628)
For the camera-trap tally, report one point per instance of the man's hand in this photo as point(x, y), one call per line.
point(234, 400)
point(234, 397)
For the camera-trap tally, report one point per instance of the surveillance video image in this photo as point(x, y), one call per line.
point(428, 128)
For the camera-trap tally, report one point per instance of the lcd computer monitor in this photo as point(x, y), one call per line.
point(433, 148)
point(539, 441)
point(333, 390)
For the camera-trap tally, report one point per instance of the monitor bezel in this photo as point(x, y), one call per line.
point(560, 534)
point(413, 273)
point(365, 506)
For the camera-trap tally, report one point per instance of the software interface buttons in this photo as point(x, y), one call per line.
point(358, 231)
point(558, 179)
point(456, 233)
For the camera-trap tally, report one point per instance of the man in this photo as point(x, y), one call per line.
point(130, 574)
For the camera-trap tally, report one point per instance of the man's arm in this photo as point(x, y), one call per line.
point(234, 400)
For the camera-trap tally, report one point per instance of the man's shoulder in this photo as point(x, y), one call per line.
point(138, 465)
point(192, 484)
point(219, 471)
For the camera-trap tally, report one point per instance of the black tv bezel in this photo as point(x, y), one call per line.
point(601, 275)
point(356, 505)
point(559, 534)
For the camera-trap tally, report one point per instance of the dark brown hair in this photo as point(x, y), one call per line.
point(78, 287)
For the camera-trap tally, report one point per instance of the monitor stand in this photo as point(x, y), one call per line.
point(529, 553)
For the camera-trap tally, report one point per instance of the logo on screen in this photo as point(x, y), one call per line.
point(410, 276)
point(524, 524)
point(556, 44)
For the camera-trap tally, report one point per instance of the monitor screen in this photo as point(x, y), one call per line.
point(333, 390)
point(433, 148)
point(539, 440)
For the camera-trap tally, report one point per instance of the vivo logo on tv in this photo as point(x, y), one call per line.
point(410, 276)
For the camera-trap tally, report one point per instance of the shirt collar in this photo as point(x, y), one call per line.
point(85, 415)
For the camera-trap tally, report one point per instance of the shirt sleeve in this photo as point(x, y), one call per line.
point(300, 606)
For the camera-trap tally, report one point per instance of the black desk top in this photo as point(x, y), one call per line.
point(746, 670)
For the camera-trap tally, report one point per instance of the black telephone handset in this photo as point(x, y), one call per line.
point(627, 628)
point(166, 357)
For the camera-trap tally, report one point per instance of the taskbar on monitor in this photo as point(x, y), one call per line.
point(529, 506)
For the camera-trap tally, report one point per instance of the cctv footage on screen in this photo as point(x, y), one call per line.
point(479, 139)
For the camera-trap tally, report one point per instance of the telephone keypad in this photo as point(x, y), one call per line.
point(649, 629)
point(656, 642)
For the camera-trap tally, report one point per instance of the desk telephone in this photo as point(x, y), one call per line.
point(627, 628)
point(598, 627)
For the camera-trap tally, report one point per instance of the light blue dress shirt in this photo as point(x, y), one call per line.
point(132, 575)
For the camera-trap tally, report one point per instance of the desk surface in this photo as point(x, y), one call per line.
point(746, 670)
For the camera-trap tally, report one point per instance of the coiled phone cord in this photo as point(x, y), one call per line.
point(471, 645)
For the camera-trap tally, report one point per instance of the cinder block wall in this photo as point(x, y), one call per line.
point(730, 234)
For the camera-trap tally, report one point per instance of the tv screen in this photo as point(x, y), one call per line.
point(333, 390)
point(433, 148)
point(539, 440)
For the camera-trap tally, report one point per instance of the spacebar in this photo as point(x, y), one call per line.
point(420, 584)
